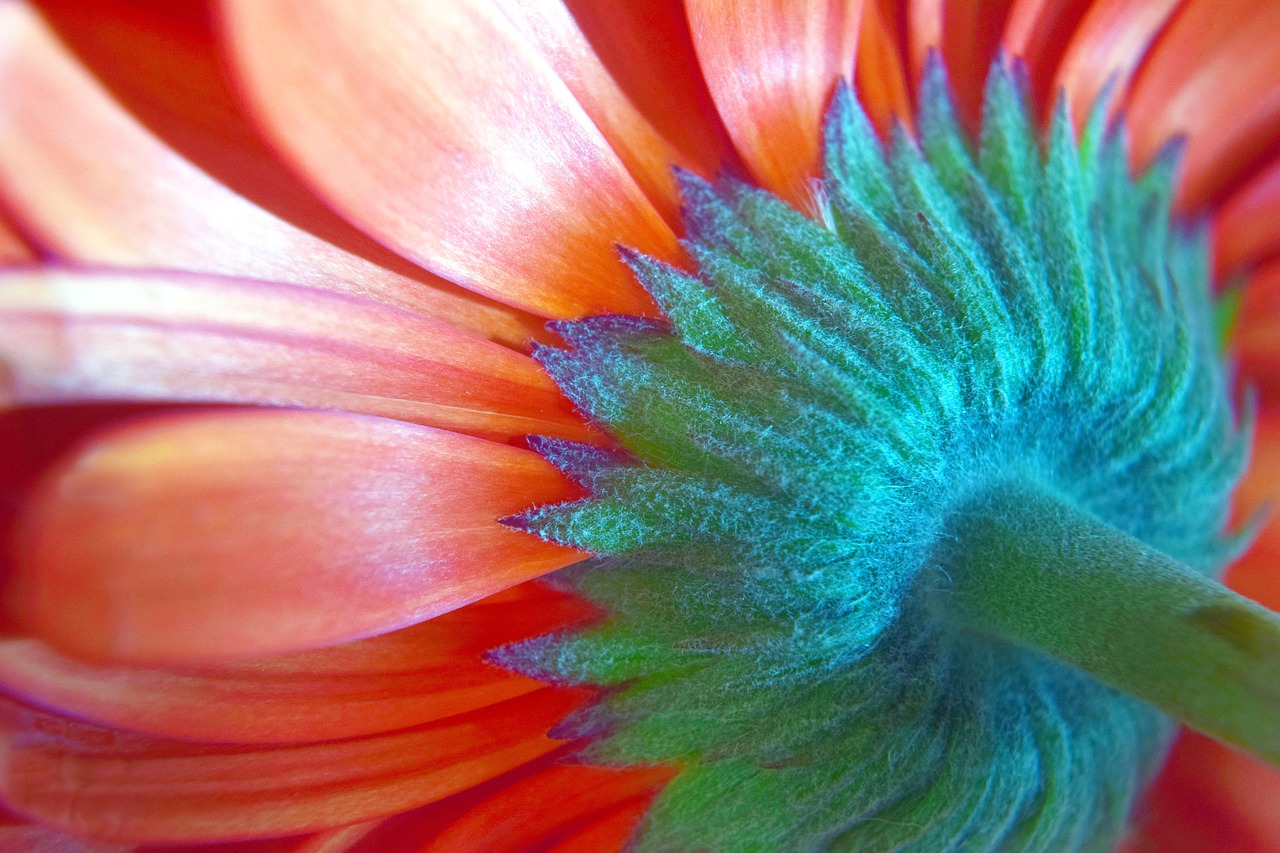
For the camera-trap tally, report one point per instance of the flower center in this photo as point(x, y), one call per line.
point(828, 395)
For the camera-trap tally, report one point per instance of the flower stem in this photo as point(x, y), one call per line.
point(1036, 571)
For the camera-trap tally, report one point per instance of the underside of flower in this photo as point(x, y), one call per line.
point(778, 538)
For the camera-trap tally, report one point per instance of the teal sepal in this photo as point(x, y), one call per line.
point(825, 394)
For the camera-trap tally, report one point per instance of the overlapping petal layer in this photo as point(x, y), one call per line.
point(69, 336)
point(242, 533)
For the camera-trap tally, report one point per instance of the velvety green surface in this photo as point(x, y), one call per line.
point(827, 394)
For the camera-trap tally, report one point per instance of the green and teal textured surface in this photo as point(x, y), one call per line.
point(826, 393)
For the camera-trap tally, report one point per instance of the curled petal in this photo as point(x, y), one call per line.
point(772, 66)
point(437, 128)
point(243, 533)
point(75, 336)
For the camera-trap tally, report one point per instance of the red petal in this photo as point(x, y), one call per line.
point(112, 785)
point(649, 51)
point(237, 534)
point(137, 336)
point(882, 76)
point(1209, 799)
point(1214, 75)
point(772, 66)
point(612, 831)
point(14, 249)
point(1108, 46)
point(1256, 337)
point(416, 675)
point(439, 130)
point(1246, 224)
point(129, 199)
point(546, 806)
point(1257, 573)
point(968, 34)
point(1038, 31)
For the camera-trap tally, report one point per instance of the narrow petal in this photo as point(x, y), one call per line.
point(1245, 225)
point(771, 66)
point(76, 336)
point(243, 533)
point(129, 199)
point(405, 678)
point(649, 51)
point(1107, 48)
point(1213, 75)
point(518, 817)
point(967, 32)
point(553, 32)
point(116, 786)
point(1038, 32)
point(881, 77)
point(439, 130)
point(611, 831)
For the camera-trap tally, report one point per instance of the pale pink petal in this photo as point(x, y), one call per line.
point(243, 533)
point(771, 66)
point(92, 184)
point(73, 336)
point(438, 128)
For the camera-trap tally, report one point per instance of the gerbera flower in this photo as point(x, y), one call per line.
point(866, 406)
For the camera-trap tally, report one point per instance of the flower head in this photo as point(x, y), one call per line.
point(851, 390)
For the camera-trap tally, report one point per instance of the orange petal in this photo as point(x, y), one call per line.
point(1213, 75)
point(129, 199)
point(552, 32)
point(116, 786)
point(1246, 224)
point(772, 66)
point(1107, 47)
point(138, 336)
point(882, 83)
point(649, 52)
point(236, 534)
point(545, 806)
point(438, 129)
point(967, 32)
point(1257, 573)
point(405, 678)
point(1038, 32)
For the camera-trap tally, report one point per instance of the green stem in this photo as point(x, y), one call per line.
point(1038, 572)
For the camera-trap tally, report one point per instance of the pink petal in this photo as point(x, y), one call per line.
point(437, 128)
point(405, 678)
point(115, 786)
point(1213, 75)
point(74, 336)
point(245, 533)
point(129, 199)
point(771, 66)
